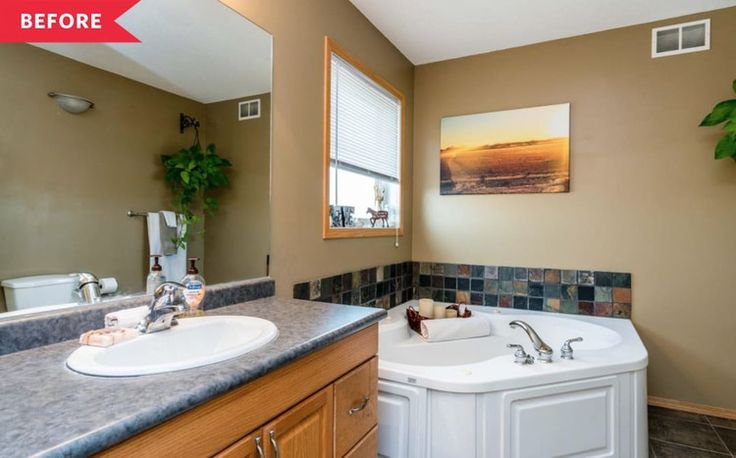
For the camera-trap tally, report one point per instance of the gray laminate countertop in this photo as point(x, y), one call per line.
point(47, 409)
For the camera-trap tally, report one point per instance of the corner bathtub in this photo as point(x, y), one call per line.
point(467, 398)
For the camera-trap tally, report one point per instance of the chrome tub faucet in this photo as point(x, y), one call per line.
point(544, 351)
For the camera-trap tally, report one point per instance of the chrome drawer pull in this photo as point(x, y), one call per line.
point(362, 406)
point(259, 447)
point(272, 436)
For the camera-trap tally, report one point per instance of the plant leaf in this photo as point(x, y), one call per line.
point(730, 126)
point(734, 85)
point(720, 113)
point(726, 147)
point(184, 177)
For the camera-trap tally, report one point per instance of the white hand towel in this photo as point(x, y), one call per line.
point(455, 328)
point(127, 318)
point(170, 218)
point(174, 266)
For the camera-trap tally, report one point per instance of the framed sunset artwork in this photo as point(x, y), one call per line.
point(521, 151)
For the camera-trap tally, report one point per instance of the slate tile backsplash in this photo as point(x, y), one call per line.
point(383, 286)
point(582, 292)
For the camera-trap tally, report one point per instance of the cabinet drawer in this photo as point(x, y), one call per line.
point(367, 447)
point(356, 396)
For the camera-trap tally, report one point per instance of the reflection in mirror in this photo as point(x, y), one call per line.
point(364, 119)
point(84, 129)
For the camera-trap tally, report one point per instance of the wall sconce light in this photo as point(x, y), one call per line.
point(71, 103)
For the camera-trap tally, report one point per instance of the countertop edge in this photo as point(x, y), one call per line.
point(110, 435)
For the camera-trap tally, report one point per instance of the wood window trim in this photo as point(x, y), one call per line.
point(329, 232)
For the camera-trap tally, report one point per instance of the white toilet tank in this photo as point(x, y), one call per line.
point(35, 291)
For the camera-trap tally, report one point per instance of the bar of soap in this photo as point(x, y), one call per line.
point(107, 337)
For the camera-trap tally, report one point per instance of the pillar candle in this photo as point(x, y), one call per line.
point(426, 308)
point(439, 311)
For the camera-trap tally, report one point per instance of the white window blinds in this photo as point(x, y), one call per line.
point(365, 124)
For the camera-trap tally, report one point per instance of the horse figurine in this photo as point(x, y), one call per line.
point(376, 215)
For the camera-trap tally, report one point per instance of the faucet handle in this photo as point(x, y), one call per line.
point(566, 351)
point(521, 356)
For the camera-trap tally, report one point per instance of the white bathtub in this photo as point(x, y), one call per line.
point(467, 398)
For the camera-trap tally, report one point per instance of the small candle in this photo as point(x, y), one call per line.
point(439, 311)
point(426, 308)
point(450, 313)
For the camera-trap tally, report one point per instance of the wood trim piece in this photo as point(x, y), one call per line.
point(213, 426)
point(341, 233)
point(692, 407)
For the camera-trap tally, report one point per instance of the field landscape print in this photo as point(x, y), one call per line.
point(520, 151)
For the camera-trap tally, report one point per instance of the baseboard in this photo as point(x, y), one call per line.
point(692, 407)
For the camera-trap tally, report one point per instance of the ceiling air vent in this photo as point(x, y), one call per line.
point(681, 38)
point(249, 109)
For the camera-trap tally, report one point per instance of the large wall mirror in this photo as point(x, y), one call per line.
point(83, 128)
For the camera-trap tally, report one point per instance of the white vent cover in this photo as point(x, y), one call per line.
point(681, 38)
point(249, 109)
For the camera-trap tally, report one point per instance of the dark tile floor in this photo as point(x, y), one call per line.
point(675, 434)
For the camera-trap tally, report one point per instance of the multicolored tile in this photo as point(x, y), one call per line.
point(603, 309)
point(552, 305)
point(521, 287)
point(622, 295)
point(603, 294)
point(477, 271)
point(536, 275)
point(621, 310)
point(521, 273)
point(490, 300)
point(463, 270)
point(536, 303)
point(552, 276)
point(491, 272)
point(505, 273)
point(505, 301)
point(569, 277)
point(463, 297)
point(585, 278)
point(569, 292)
point(490, 286)
point(586, 308)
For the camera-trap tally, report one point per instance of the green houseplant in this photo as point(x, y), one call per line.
point(193, 174)
point(724, 112)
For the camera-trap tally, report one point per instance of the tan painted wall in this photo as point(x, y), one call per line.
point(68, 180)
point(298, 29)
point(647, 196)
point(237, 238)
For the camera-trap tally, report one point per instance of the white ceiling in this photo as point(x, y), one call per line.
point(199, 49)
point(434, 30)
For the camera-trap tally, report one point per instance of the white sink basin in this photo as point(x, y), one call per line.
point(192, 343)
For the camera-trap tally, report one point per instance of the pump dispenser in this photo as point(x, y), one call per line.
point(156, 277)
point(194, 294)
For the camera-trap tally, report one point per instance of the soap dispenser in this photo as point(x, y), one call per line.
point(156, 277)
point(194, 294)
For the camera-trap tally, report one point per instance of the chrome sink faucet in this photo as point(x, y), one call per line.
point(544, 351)
point(168, 303)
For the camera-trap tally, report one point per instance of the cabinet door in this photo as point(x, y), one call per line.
point(305, 431)
point(575, 419)
point(355, 405)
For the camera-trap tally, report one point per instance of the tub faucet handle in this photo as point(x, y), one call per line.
point(520, 356)
point(566, 351)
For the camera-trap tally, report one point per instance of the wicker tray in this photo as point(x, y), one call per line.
point(415, 319)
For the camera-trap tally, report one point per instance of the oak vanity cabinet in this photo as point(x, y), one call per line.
point(322, 405)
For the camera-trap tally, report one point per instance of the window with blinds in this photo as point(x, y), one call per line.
point(365, 124)
point(363, 149)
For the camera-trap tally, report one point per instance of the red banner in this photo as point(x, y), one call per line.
point(64, 21)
